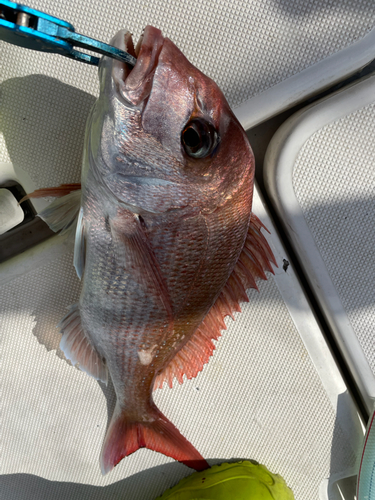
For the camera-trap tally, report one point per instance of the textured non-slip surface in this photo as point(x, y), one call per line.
point(245, 46)
point(259, 397)
point(334, 182)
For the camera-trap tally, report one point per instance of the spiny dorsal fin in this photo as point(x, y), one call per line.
point(77, 348)
point(256, 258)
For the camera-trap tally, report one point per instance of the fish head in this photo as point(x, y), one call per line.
point(163, 134)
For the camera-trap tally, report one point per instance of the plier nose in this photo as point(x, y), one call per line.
point(36, 30)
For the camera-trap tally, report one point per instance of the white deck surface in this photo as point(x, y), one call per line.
point(319, 171)
point(272, 391)
point(261, 396)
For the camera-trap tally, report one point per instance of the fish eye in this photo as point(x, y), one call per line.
point(199, 138)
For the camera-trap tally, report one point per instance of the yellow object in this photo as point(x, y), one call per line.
point(236, 481)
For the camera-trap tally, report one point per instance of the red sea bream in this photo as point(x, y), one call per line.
point(166, 244)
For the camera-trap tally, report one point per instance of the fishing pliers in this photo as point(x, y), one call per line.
point(36, 30)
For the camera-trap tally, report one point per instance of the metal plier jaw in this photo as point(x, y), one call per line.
point(32, 29)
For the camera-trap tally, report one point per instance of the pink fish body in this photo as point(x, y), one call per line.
point(166, 242)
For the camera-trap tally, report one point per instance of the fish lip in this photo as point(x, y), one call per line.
point(122, 40)
point(134, 84)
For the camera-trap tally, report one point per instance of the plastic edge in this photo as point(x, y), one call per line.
point(308, 82)
point(278, 170)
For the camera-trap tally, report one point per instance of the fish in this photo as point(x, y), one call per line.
point(166, 243)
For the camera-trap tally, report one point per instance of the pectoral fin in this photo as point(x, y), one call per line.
point(134, 250)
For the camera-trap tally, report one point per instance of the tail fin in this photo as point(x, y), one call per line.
point(124, 437)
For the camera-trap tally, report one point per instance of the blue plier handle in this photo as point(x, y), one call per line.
point(36, 30)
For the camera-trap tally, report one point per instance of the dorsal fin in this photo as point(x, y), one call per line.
point(256, 258)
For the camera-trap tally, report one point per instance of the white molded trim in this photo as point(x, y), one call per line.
point(308, 82)
point(278, 171)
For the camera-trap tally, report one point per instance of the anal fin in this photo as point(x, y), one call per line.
point(255, 259)
point(78, 349)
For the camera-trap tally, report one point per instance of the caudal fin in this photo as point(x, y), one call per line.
point(124, 437)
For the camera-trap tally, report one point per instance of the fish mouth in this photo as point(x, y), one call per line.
point(135, 84)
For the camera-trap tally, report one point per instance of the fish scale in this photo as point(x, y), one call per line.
point(178, 260)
